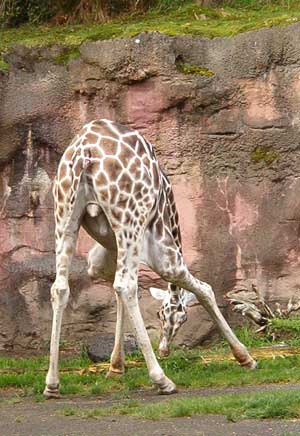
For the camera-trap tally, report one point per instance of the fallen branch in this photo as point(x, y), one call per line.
point(253, 305)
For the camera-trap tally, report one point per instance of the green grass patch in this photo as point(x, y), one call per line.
point(288, 325)
point(186, 19)
point(185, 367)
point(260, 405)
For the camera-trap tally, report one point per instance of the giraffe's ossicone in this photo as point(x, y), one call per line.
point(109, 182)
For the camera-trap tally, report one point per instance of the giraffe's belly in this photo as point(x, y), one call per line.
point(99, 229)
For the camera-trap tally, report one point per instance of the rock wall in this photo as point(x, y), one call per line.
point(230, 144)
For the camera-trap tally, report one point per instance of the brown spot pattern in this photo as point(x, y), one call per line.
point(112, 167)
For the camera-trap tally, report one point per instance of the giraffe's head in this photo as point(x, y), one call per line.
point(172, 314)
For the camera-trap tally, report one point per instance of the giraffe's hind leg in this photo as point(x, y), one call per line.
point(125, 285)
point(102, 264)
point(66, 236)
point(60, 292)
point(169, 264)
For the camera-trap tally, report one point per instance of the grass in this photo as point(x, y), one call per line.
point(185, 368)
point(286, 325)
point(187, 19)
point(260, 405)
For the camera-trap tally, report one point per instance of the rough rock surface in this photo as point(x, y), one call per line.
point(230, 144)
point(100, 346)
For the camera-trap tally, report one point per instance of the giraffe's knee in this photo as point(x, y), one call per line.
point(205, 293)
point(127, 291)
point(60, 292)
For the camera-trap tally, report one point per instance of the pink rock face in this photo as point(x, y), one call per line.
point(229, 144)
point(261, 107)
point(188, 201)
point(144, 103)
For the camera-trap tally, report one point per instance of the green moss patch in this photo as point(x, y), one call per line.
point(3, 65)
point(264, 154)
point(67, 55)
point(193, 69)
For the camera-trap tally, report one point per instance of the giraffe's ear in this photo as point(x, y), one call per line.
point(158, 294)
point(189, 297)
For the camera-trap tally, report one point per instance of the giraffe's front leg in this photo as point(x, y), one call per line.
point(157, 375)
point(125, 284)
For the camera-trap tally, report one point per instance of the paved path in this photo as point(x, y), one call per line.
point(29, 418)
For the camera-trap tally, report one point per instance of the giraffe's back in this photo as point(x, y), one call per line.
point(119, 168)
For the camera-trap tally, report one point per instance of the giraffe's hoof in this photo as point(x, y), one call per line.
point(251, 364)
point(164, 352)
point(114, 373)
point(167, 387)
point(51, 391)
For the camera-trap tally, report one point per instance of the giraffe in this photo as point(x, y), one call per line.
point(172, 314)
point(110, 183)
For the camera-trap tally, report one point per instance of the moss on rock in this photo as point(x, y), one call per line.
point(67, 55)
point(3, 65)
point(264, 154)
point(193, 69)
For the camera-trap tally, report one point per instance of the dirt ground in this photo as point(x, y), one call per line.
point(29, 418)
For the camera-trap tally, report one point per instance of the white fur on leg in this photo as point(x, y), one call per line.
point(59, 301)
point(206, 297)
point(117, 355)
point(165, 385)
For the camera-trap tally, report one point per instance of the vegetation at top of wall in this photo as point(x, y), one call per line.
point(172, 18)
point(16, 12)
